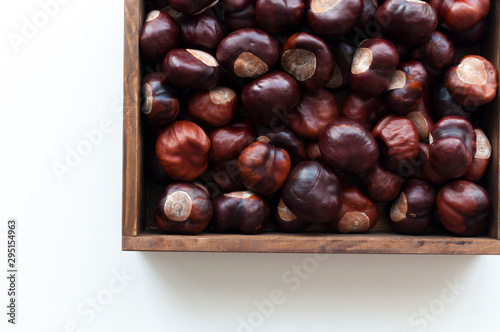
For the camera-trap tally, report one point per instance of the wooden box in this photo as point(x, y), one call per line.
point(139, 194)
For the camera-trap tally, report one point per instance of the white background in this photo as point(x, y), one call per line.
point(64, 79)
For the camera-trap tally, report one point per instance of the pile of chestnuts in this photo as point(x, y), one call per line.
point(263, 114)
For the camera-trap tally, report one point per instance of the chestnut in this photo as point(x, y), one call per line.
point(437, 54)
point(368, 15)
point(234, 5)
point(158, 36)
point(285, 139)
point(470, 37)
point(420, 167)
point(367, 111)
point(460, 15)
point(481, 158)
point(288, 222)
point(241, 211)
point(407, 21)
point(241, 18)
point(441, 104)
point(160, 105)
point(372, 67)
point(248, 53)
point(422, 120)
point(473, 82)
point(270, 98)
point(333, 18)
point(182, 149)
point(183, 208)
point(398, 140)
point(214, 108)
point(225, 175)
point(313, 112)
point(191, 69)
point(412, 211)
point(347, 145)
point(192, 7)
point(313, 192)
point(407, 87)
point(263, 168)
point(381, 185)
point(358, 213)
point(452, 147)
point(229, 141)
point(274, 16)
point(463, 208)
point(308, 59)
point(342, 55)
point(201, 31)
point(313, 152)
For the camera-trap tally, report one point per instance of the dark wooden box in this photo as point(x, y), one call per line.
point(139, 194)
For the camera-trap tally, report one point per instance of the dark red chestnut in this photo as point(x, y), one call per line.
point(263, 168)
point(407, 21)
point(313, 112)
point(183, 208)
point(159, 35)
point(372, 67)
point(201, 31)
point(342, 55)
point(420, 167)
point(182, 149)
point(470, 37)
point(463, 208)
point(288, 222)
point(422, 120)
point(285, 139)
point(367, 111)
point(313, 152)
point(248, 53)
point(160, 105)
point(437, 54)
point(313, 192)
point(481, 158)
point(412, 211)
point(241, 18)
point(192, 7)
point(358, 213)
point(241, 211)
point(473, 82)
point(233, 5)
point(333, 18)
point(452, 147)
point(460, 15)
point(441, 104)
point(229, 141)
point(347, 145)
point(191, 69)
point(382, 186)
point(270, 98)
point(213, 108)
point(274, 16)
point(407, 87)
point(225, 175)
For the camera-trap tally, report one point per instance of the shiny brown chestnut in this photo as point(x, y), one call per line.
point(191, 69)
point(470, 37)
point(473, 82)
point(381, 185)
point(463, 208)
point(270, 98)
point(358, 213)
point(398, 140)
point(313, 152)
point(441, 104)
point(407, 87)
point(159, 36)
point(313, 192)
point(241, 18)
point(241, 211)
point(437, 54)
point(481, 158)
point(308, 59)
point(342, 55)
point(214, 108)
point(347, 145)
point(452, 147)
point(273, 16)
point(229, 141)
point(313, 112)
point(421, 118)
point(288, 222)
point(225, 175)
point(285, 139)
point(412, 211)
point(192, 7)
point(332, 18)
point(372, 67)
point(183, 208)
point(460, 15)
point(248, 53)
point(233, 5)
point(407, 21)
point(367, 111)
point(160, 106)
point(201, 32)
point(263, 168)
point(182, 149)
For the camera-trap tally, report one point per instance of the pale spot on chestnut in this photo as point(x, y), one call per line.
point(417, 1)
point(249, 65)
point(285, 213)
point(204, 57)
point(320, 6)
point(264, 139)
point(398, 80)
point(178, 206)
point(300, 63)
point(472, 71)
point(354, 221)
point(222, 95)
point(152, 15)
point(336, 79)
point(420, 122)
point(361, 61)
point(483, 146)
point(148, 94)
point(431, 139)
point(202, 187)
point(240, 194)
point(399, 208)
